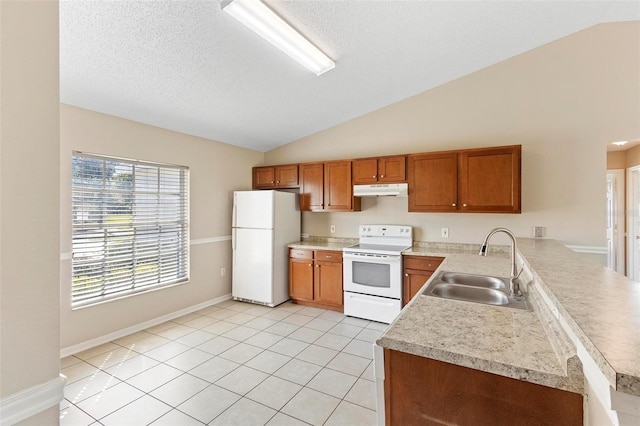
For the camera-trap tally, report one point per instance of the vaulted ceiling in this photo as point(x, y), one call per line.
point(188, 66)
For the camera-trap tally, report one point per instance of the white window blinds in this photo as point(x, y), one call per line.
point(130, 227)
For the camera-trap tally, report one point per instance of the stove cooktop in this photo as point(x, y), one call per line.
point(375, 248)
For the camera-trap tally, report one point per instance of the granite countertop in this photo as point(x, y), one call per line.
point(503, 341)
point(601, 307)
point(324, 244)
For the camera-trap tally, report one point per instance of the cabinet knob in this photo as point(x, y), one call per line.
point(464, 205)
point(406, 275)
point(309, 264)
point(453, 205)
point(381, 176)
point(374, 176)
point(271, 181)
point(277, 181)
point(317, 266)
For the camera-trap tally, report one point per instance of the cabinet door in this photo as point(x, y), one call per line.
point(365, 171)
point(301, 279)
point(392, 169)
point(433, 182)
point(338, 190)
point(414, 279)
point(328, 283)
point(286, 176)
point(263, 177)
point(490, 180)
point(312, 187)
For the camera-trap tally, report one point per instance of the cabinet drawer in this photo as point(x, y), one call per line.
point(300, 254)
point(425, 263)
point(329, 256)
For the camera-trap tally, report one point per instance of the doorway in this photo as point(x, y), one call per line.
point(633, 223)
point(615, 220)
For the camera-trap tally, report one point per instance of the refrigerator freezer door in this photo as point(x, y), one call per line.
point(253, 265)
point(253, 209)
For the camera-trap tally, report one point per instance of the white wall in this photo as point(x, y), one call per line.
point(29, 211)
point(562, 102)
point(216, 170)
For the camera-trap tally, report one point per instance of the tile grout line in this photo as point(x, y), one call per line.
point(194, 316)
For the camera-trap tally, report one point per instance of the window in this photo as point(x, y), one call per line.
point(130, 227)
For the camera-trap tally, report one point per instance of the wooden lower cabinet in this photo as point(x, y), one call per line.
point(315, 278)
point(422, 391)
point(417, 270)
point(301, 274)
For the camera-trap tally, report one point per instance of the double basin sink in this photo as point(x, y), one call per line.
point(474, 288)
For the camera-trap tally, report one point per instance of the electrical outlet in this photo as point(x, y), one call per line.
point(538, 231)
point(223, 272)
point(445, 232)
point(333, 229)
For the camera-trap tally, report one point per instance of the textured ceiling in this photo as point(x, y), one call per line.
point(189, 67)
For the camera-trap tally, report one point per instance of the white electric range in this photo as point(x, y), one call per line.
point(372, 272)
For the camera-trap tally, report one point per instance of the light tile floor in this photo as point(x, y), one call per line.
point(229, 364)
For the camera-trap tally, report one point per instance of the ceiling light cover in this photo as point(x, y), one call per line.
point(258, 17)
point(620, 143)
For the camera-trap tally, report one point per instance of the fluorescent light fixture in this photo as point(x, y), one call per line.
point(620, 143)
point(258, 17)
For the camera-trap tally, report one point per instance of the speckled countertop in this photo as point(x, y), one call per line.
point(324, 243)
point(504, 341)
point(600, 306)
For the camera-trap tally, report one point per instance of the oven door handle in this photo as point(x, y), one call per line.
point(363, 256)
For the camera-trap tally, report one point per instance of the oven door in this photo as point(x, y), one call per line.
point(373, 274)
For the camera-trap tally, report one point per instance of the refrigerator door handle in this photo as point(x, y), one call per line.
point(233, 211)
point(233, 240)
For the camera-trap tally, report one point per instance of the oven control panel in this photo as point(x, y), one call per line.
point(385, 231)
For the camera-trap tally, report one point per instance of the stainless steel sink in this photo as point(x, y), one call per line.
point(471, 294)
point(474, 288)
point(472, 280)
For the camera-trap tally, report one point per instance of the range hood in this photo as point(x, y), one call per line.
point(381, 190)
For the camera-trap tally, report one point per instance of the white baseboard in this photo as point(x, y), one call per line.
point(74, 349)
point(31, 401)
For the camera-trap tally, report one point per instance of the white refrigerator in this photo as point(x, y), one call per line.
point(264, 223)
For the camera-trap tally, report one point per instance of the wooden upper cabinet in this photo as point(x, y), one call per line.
point(285, 176)
point(379, 170)
point(312, 187)
point(483, 180)
point(263, 177)
point(489, 180)
point(433, 182)
point(327, 187)
point(338, 190)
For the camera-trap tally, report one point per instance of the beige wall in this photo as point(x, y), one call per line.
point(632, 157)
point(616, 160)
point(29, 213)
point(563, 102)
point(216, 170)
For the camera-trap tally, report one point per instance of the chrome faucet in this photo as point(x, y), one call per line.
point(514, 287)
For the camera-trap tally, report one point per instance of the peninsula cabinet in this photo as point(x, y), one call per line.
point(484, 180)
point(417, 270)
point(326, 187)
point(422, 391)
point(270, 177)
point(315, 278)
point(379, 170)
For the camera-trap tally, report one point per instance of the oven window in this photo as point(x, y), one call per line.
point(371, 274)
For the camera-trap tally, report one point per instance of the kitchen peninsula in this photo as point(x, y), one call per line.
point(585, 319)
